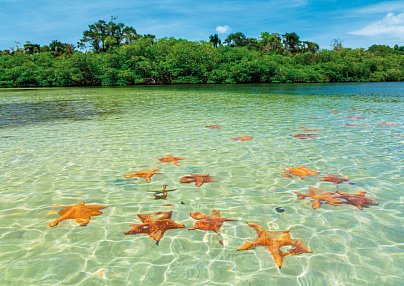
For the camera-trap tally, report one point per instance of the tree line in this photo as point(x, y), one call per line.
point(113, 54)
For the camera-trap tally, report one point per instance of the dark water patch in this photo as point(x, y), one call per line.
point(10, 90)
point(16, 114)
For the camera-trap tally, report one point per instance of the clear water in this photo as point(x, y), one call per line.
point(62, 146)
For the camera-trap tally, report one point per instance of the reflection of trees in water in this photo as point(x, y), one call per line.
point(23, 113)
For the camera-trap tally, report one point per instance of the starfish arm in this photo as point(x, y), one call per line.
point(54, 223)
point(300, 196)
point(129, 232)
point(285, 174)
point(276, 254)
point(303, 249)
point(157, 235)
point(198, 182)
point(163, 215)
point(187, 179)
point(63, 217)
point(257, 227)
point(148, 179)
point(83, 221)
point(128, 176)
point(315, 204)
point(132, 231)
point(298, 248)
point(64, 210)
point(215, 213)
point(216, 228)
point(96, 207)
point(94, 212)
point(145, 218)
point(247, 246)
point(334, 202)
point(228, 219)
point(198, 215)
point(141, 228)
point(313, 191)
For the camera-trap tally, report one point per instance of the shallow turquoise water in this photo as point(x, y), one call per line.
point(62, 146)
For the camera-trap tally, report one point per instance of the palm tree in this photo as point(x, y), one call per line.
point(214, 39)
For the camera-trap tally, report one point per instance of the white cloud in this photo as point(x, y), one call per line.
point(223, 29)
point(392, 24)
point(382, 7)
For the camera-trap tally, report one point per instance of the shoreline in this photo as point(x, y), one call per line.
point(199, 84)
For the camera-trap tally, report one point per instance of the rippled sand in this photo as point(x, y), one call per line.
point(62, 146)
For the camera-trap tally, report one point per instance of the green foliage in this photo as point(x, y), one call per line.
point(271, 43)
point(291, 42)
point(30, 48)
point(121, 57)
point(103, 36)
point(58, 48)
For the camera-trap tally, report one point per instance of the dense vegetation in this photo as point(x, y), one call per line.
point(114, 54)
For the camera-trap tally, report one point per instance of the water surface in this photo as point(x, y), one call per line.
point(62, 146)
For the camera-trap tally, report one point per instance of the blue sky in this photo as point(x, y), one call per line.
point(357, 23)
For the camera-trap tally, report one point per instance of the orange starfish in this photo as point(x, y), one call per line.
point(80, 212)
point(318, 196)
point(334, 179)
point(311, 129)
point(243, 138)
point(199, 179)
point(274, 240)
point(358, 200)
point(143, 174)
point(385, 123)
point(211, 222)
point(301, 172)
point(171, 159)
point(304, 136)
point(213, 126)
point(155, 225)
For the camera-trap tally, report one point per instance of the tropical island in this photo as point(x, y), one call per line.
point(113, 54)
